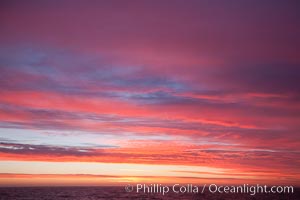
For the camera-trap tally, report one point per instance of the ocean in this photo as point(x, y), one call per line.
point(114, 193)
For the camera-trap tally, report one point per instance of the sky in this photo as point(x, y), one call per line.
point(149, 91)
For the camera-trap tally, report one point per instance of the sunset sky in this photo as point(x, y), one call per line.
point(149, 91)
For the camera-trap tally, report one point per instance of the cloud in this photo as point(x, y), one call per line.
point(222, 156)
point(206, 73)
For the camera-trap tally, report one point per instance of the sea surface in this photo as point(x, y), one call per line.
point(114, 193)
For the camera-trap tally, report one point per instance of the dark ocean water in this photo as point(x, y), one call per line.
point(114, 193)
